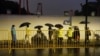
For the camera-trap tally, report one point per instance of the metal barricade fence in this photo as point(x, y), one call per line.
point(41, 40)
point(4, 39)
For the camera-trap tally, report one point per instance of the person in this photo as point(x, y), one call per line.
point(88, 33)
point(39, 38)
point(27, 36)
point(69, 34)
point(50, 34)
point(54, 36)
point(13, 33)
point(76, 34)
point(60, 36)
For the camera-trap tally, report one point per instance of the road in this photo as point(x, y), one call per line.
point(53, 52)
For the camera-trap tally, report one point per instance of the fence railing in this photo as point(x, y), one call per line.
point(36, 41)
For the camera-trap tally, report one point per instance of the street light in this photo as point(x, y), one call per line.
point(86, 16)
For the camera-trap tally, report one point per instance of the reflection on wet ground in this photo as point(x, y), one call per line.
point(53, 52)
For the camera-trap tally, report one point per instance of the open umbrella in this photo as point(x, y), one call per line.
point(83, 22)
point(25, 24)
point(58, 26)
point(38, 27)
point(49, 25)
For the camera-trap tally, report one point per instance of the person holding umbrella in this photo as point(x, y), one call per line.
point(59, 34)
point(27, 35)
point(50, 31)
point(39, 37)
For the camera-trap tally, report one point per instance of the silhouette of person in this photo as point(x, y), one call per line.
point(69, 34)
point(60, 36)
point(13, 34)
point(50, 31)
point(27, 36)
point(39, 37)
point(76, 34)
point(88, 33)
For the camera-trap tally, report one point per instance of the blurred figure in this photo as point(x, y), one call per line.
point(13, 43)
point(69, 35)
point(88, 33)
point(97, 37)
point(50, 35)
point(60, 36)
point(97, 42)
point(39, 38)
point(27, 36)
point(54, 37)
point(76, 34)
point(13, 34)
point(50, 32)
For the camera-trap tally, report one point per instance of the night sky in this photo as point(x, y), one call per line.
point(55, 7)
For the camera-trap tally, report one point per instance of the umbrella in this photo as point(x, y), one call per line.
point(50, 32)
point(83, 22)
point(25, 24)
point(49, 25)
point(58, 26)
point(38, 27)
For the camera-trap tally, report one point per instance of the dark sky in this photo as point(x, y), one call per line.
point(55, 7)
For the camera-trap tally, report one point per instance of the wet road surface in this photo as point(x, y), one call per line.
point(52, 52)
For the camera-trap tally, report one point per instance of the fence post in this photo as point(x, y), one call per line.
point(9, 42)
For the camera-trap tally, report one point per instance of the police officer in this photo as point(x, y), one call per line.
point(69, 34)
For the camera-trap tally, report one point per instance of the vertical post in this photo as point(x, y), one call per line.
point(86, 19)
point(9, 42)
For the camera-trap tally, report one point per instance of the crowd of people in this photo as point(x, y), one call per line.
point(72, 34)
